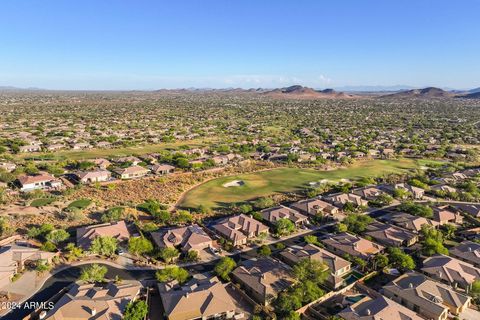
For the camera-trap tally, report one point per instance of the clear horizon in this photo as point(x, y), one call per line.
point(150, 45)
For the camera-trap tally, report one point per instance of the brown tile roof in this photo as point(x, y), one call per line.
point(198, 298)
point(468, 251)
point(431, 296)
point(88, 301)
point(376, 309)
point(353, 245)
point(265, 276)
point(189, 237)
point(451, 270)
point(389, 235)
point(276, 213)
point(239, 227)
point(85, 235)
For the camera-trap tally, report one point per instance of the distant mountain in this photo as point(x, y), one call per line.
point(374, 88)
point(301, 92)
point(475, 95)
point(426, 93)
point(476, 90)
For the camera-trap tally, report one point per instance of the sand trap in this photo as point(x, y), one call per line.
point(345, 180)
point(324, 181)
point(234, 183)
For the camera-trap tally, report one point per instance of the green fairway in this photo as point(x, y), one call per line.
point(213, 193)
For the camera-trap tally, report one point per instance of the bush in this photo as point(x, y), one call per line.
point(93, 273)
point(172, 273)
point(224, 267)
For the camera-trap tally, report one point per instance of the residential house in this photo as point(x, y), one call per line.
point(102, 163)
point(263, 279)
point(428, 298)
point(368, 193)
point(316, 207)
point(92, 301)
point(349, 244)
point(390, 235)
point(272, 215)
point(471, 209)
point(340, 199)
point(99, 175)
point(443, 216)
point(467, 251)
point(238, 229)
point(131, 172)
point(408, 221)
point(200, 298)
point(338, 267)
point(162, 169)
point(130, 160)
point(42, 181)
point(187, 238)
point(443, 188)
point(416, 192)
point(118, 230)
point(378, 308)
point(13, 259)
point(451, 271)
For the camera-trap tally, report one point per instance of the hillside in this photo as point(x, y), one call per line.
point(301, 92)
point(425, 93)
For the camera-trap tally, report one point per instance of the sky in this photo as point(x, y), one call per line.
point(140, 44)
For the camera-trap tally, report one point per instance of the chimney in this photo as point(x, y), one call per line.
point(368, 312)
point(186, 294)
point(42, 315)
point(93, 311)
point(410, 285)
point(469, 249)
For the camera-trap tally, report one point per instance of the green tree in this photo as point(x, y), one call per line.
point(341, 227)
point(310, 270)
point(139, 246)
point(113, 214)
point(224, 267)
point(136, 310)
point(183, 217)
point(264, 202)
point(357, 223)
point(284, 227)
point(311, 239)
point(93, 273)
point(264, 251)
point(162, 216)
point(172, 273)
point(381, 261)
point(432, 241)
point(168, 254)
point(57, 236)
point(400, 259)
point(73, 252)
point(49, 247)
point(105, 246)
point(192, 256)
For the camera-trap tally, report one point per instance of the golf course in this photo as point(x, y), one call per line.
point(253, 185)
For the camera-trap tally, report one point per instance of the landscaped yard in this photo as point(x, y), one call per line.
point(213, 193)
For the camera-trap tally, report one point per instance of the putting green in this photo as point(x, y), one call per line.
point(264, 183)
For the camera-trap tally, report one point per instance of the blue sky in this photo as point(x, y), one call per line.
point(119, 44)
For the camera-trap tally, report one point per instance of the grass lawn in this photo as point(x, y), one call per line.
point(213, 194)
point(80, 204)
point(119, 152)
point(41, 202)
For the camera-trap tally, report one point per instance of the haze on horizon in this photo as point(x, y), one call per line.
point(125, 45)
